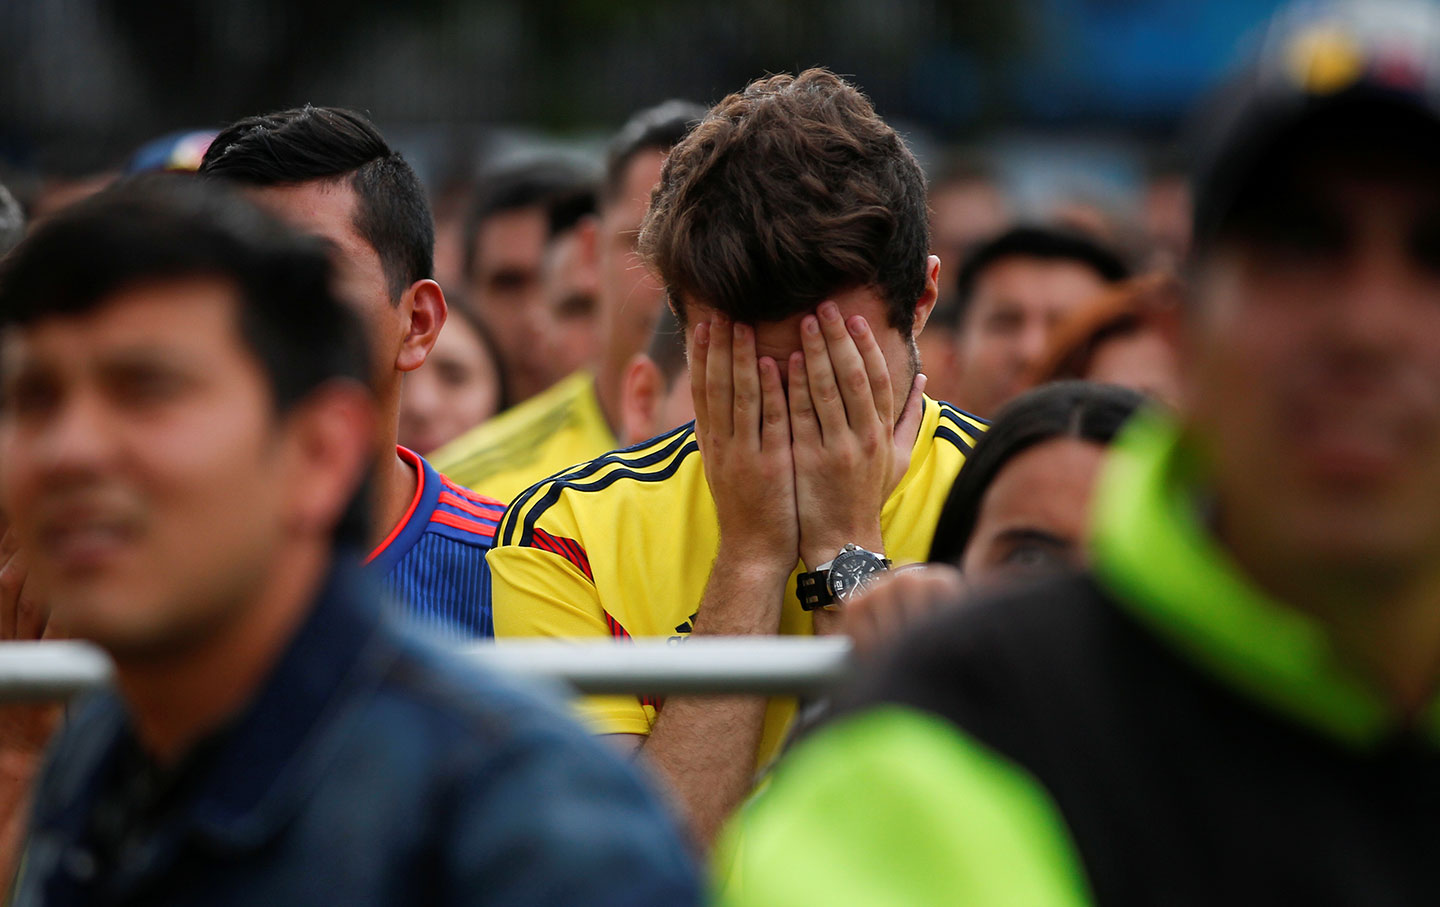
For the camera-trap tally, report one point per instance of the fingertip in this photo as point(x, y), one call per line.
point(920, 381)
point(702, 333)
point(857, 326)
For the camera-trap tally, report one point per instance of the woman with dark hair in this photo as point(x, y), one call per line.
point(1022, 500)
point(460, 385)
point(1020, 505)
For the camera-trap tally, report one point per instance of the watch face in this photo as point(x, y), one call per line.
point(850, 571)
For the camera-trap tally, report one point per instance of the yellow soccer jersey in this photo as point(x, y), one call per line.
point(622, 547)
point(551, 431)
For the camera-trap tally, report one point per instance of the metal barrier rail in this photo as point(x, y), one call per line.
point(39, 671)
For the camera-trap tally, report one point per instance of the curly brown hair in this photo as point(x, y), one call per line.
point(785, 194)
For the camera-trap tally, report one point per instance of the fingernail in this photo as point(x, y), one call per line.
point(702, 333)
point(829, 310)
point(857, 326)
point(810, 324)
point(797, 360)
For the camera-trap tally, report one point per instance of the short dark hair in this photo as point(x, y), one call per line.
point(566, 210)
point(170, 227)
point(785, 194)
point(331, 143)
point(1043, 243)
point(12, 221)
point(175, 227)
point(1065, 409)
point(657, 128)
point(545, 181)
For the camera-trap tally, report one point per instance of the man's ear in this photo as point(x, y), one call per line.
point(332, 434)
point(931, 294)
point(642, 391)
point(424, 304)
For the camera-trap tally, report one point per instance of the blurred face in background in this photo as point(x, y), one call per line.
point(1314, 366)
point(1015, 305)
point(456, 389)
point(630, 297)
point(507, 293)
point(571, 283)
point(1035, 515)
point(1144, 359)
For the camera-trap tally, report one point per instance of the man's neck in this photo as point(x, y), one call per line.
point(177, 700)
point(1386, 625)
point(395, 484)
point(394, 479)
point(608, 380)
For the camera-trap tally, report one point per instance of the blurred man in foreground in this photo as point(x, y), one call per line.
point(184, 433)
point(12, 221)
point(703, 531)
point(579, 417)
point(329, 172)
point(1012, 291)
point(1238, 703)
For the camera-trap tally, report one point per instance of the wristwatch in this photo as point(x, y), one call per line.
point(832, 583)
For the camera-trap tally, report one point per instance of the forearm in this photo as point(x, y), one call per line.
point(704, 748)
point(24, 731)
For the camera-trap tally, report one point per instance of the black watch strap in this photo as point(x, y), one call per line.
point(813, 590)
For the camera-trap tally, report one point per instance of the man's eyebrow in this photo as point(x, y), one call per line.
point(1030, 534)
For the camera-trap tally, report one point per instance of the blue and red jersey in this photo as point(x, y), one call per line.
point(433, 562)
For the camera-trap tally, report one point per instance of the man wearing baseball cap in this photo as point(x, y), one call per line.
point(1237, 704)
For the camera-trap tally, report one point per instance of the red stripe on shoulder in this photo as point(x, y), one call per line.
point(485, 513)
point(484, 500)
point(566, 548)
point(459, 522)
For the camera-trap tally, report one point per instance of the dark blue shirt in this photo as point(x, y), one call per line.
point(371, 768)
point(433, 561)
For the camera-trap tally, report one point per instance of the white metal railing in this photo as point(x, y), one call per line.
point(38, 671)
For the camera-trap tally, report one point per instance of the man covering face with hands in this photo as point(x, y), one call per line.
point(789, 229)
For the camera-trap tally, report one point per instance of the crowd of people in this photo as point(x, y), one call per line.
point(1140, 564)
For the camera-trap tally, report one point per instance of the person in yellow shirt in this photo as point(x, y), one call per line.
point(579, 417)
point(790, 231)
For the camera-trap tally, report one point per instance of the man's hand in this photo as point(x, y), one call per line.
point(24, 729)
point(896, 601)
point(850, 453)
point(744, 433)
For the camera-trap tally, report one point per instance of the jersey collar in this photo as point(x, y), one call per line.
point(1151, 550)
point(416, 519)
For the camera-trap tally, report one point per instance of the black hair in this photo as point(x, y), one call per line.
point(567, 209)
point(1065, 409)
point(12, 221)
point(537, 181)
point(172, 227)
point(657, 128)
point(310, 143)
point(1044, 243)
